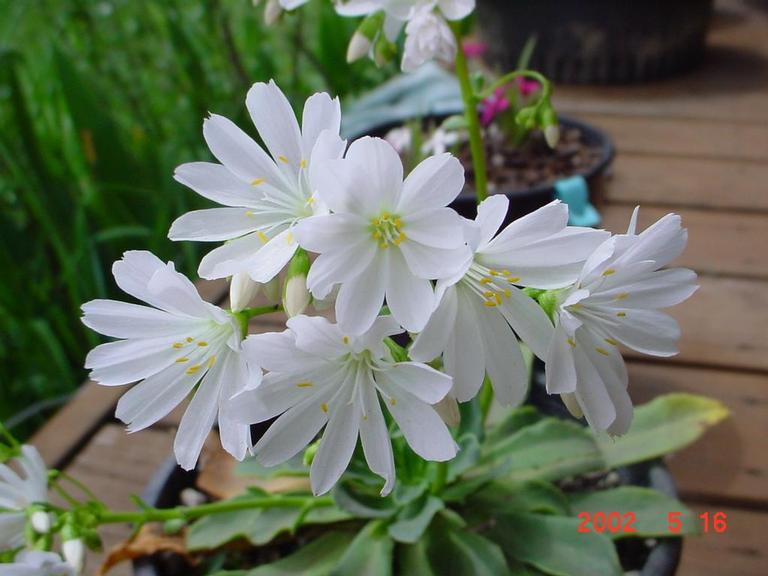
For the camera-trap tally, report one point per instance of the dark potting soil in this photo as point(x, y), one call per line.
point(533, 163)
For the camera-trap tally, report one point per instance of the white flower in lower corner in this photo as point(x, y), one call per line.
point(472, 326)
point(176, 345)
point(264, 195)
point(385, 236)
point(616, 300)
point(18, 490)
point(37, 563)
point(321, 377)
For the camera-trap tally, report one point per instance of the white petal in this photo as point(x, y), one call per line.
point(441, 228)
point(655, 290)
point(435, 182)
point(329, 146)
point(544, 222)
point(239, 153)
point(374, 437)
point(431, 342)
point(272, 257)
point(178, 294)
point(661, 242)
point(361, 298)
point(529, 321)
point(126, 361)
point(591, 393)
point(123, 320)
point(336, 447)
point(410, 299)
point(339, 266)
point(383, 169)
point(277, 393)
point(276, 351)
point(213, 225)
point(561, 370)
point(504, 361)
point(464, 356)
point(231, 258)
point(134, 271)
point(424, 430)
point(320, 113)
point(276, 122)
point(491, 214)
point(236, 377)
point(357, 7)
point(424, 382)
point(331, 232)
point(647, 331)
point(317, 336)
point(456, 9)
point(217, 183)
point(434, 263)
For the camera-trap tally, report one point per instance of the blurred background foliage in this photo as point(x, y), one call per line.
point(99, 101)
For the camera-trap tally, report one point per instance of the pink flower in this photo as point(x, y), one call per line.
point(475, 49)
point(492, 106)
point(527, 86)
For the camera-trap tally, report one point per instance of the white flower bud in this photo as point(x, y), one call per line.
point(552, 135)
point(74, 554)
point(448, 409)
point(242, 290)
point(296, 297)
point(272, 12)
point(41, 522)
point(359, 47)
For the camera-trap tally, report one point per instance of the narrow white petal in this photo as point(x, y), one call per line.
point(464, 356)
point(434, 263)
point(213, 225)
point(661, 242)
point(647, 331)
point(504, 361)
point(276, 122)
point(456, 9)
point(330, 232)
point(124, 320)
point(271, 258)
point(336, 447)
point(126, 361)
point(591, 392)
point(374, 437)
point(339, 266)
point(317, 336)
point(654, 290)
point(383, 170)
point(441, 228)
point(217, 183)
point(179, 294)
point(320, 113)
point(236, 377)
point(276, 351)
point(561, 370)
point(361, 298)
point(490, 216)
point(231, 258)
point(529, 321)
point(410, 299)
point(134, 271)
point(431, 342)
point(544, 222)
point(436, 181)
point(424, 382)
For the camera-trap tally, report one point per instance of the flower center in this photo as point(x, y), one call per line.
point(491, 285)
point(386, 229)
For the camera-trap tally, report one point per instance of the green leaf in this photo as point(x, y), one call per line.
point(251, 467)
point(548, 450)
point(553, 545)
point(650, 507)
point(469, 454)
point(458, 552)
point(362, 505)
point(664, 425)
point(370, 553)
point(413, 559)
point(534, 496)
point(513, 422)
point(317, 558)
point(258, 526)
point(415, 519)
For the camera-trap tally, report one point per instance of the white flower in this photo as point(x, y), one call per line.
point(471, 325)
point(17, 492)
point(400, 139)
point(177, 343)
point(440, 141)
point(274, 8)
point(615, 300)
point(385, 236)
point(319, 376)
point(36, 563)
point(74, 553)
point(265, 195)
point(428, 37)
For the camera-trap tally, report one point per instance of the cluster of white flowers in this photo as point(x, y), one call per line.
point(465, 290)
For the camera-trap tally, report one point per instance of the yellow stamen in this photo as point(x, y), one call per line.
point(190, 339)
point(194, 369)
point(303, 163)
point(621, 314)
point(493, 272)
point(310, 201)
point(249, 213)
point(485, 280)
point(263, 237)
point(577, 306)
point(283, 159)
point(513, 279)
point(609, 272)
point(611, 341)
point(324, 407)
point(498, 298)
point(211, 361)
point(202, 343)
point(488, 294)
point(506, 273)
point(571, 342)
point(507, 292)
point(489, 304)
point(304, 385)
point(289, 237)
point(345, 339)
point(182, 360)
point(178, 345)
point(393, 401)
point(400, 239)
point(603, 351)
point(258, 181)
point(622, 296)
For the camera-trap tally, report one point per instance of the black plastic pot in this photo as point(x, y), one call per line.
point(662, 560)
point(598, 41)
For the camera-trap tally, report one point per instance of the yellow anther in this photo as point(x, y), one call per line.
point(384, 245)
point(603, 351)
point(497, 296)
point(324, 407)
point(490, 303)
point(493, 272)
point(393, 401)
point(304, 385)
point(506, 273)
point(398, 222)
point(513, 279)
point(202, 343)
point(211, 361)
point(258, 181)
point(182, 360)
point(345, 339)
point(376, 234)
point(194, 369)
point(485, 280)
point(289, 237)
point(249, 213)
point(507, 292)
point(621, 314)
point(609, 272)
point(622, 296)
point(178, 345)
point(577, 306)
point(571, 342)
point(263, 237)
point(488, 294)
point(400, 239)
point(190, 339)
point(385, 216)
point(303, 163)
point(283, 159)
point(611, 341)
point(310, 201)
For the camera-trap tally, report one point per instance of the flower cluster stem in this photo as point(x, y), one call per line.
point(192, 512)
point(441, 477)
point(471, 102)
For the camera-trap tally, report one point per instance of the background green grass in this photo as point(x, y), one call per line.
point(99, 101)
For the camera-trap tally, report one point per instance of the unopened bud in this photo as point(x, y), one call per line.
point(448, 410)
point(74, 554)
point(242, 291)
point(296, 297)
point(552, 135)
point(272, 12)
point(41, 521)
point(359, 46)
point(550, 124)
point(365, 36)
point(384, 51)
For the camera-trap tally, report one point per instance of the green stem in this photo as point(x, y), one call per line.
point(486, 398)
point(471, 101)
point(441, 477)
point(244, 316)
point(12, 442)
point(192, 512)
point(546, 85)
